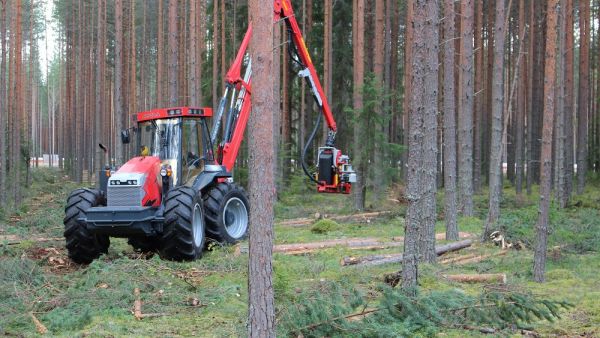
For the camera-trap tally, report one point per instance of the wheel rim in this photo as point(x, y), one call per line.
point(198, 225)
point(235, 217)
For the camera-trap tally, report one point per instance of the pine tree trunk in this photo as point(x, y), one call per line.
point(173, 43)
point(201, 34)
point(569, 100)
point(18, 98)
point(261, 312)
point(559, 117)
point(495, 173)
point(192, 55)
point(118, 87)
point(449, 125)
point(132, 62)
point(3, 105)
point(160, 57)
point(465, 117)
point(215, 54)
point(521, 108)
point(100, 61)
point(583, 105)
point(378, 69)
point(479, 96)
point(422, 151)
point(539, 259)
point(358, 47)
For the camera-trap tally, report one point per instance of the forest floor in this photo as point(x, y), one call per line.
point(41, 289)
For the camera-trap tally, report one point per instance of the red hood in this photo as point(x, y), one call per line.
point(149, 165)
point(142, 164)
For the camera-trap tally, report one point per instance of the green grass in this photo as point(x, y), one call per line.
point(97, 300)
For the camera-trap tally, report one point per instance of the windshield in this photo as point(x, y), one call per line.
point(162, 138)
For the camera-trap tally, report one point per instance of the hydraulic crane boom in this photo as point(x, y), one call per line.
point(335, 173)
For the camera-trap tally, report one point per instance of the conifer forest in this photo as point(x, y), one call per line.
point(299, 168)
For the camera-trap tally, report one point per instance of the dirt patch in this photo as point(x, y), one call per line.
point(52, 259)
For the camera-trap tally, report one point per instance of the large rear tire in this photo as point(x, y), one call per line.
point(183, 234)
point(227, 213)
point(83, 246)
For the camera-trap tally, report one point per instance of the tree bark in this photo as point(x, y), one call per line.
point(378, 69)
point(449, 124)
point(3, 106)
point(118, 86)
point(18, 98)
point(479, 97)
point(173, 67)
point(539, 259)
point(261, 308)
point(569, 101)
point(193, 80)
point(100, 63)
point(160, 57)
point(495, 173)
point(521, 110)
point(215, 54)
point(358, 77)
point(465, 117)
point(559, 117)
point(422, 152)
point(583, 105)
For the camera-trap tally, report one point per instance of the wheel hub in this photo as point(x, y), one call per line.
point(235, 217)
point(198, 225)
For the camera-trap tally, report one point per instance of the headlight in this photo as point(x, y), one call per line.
point(163, 172)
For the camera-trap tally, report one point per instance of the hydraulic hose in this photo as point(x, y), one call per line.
point(310, 140)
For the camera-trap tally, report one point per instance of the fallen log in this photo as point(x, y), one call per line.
point(308, 220)
point(480, 278)
point(374, 260)
point(354, 243)
point(461, 260)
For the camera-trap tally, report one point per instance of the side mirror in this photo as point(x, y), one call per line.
point(125, 136)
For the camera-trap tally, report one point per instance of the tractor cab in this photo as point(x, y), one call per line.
point(179, 138)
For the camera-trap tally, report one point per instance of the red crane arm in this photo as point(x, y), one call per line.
point(284, 11)
point(230, 145)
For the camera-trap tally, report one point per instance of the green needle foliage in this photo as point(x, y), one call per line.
point(339, 310)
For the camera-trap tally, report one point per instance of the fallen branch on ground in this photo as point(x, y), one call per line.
point(137, 304)
point(41, 328)
point(374, 260)
point(137, 307)
point(481, 278)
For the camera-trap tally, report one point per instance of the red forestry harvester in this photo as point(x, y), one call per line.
point(180, 189)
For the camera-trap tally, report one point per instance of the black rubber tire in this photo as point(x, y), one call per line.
point(83, 246)
point(143, 244)
point(215, 202)
point(183, 207)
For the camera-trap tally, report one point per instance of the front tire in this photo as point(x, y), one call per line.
point(227, 213)
point(83, 246)
point(183, 234)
